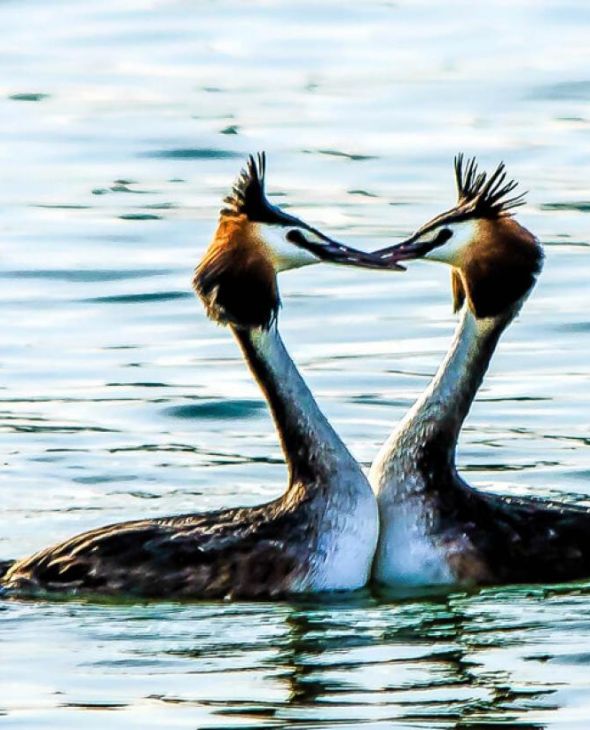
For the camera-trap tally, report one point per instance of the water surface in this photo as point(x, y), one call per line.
point(123, 124)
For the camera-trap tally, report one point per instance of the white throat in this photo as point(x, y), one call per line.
point(404, 473)
point(339, 513)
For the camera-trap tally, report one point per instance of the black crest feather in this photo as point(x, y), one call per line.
point(235, 282)
point(248, 196)
point(248, 190)
point(483, 196)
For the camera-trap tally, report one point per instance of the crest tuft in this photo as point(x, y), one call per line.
point(248, 193)
point(482, 196)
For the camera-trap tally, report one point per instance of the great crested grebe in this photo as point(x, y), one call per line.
point(435, 528)
point(322, 533)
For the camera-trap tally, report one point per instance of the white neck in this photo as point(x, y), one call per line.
point(416, 465)
point(430, 430)
point(338, 518)
point(311, 446)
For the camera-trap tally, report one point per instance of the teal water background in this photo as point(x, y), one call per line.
point(122, 125)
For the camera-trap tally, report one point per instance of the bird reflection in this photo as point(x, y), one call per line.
point(411, 661)
point(366, 659)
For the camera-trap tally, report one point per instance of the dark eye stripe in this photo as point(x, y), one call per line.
point(443, 236)
point(295, 236)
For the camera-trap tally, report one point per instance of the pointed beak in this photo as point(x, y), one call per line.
point(326, 249)
point(411, 248)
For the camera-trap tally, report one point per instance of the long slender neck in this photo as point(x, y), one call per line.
point(429, 432)
point(311, 446)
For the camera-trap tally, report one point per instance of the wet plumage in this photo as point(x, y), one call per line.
point(247, 553)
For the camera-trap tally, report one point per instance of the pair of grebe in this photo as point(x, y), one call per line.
point(414, 522)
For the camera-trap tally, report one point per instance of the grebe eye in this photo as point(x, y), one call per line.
point(295, 236)
point(443, 236)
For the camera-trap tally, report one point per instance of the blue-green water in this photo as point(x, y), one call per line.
point(122, 125)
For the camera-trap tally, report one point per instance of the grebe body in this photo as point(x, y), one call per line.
point(322, 533)
point(435, 528)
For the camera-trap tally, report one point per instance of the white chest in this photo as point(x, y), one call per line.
point(347, 548)
point(407, 553)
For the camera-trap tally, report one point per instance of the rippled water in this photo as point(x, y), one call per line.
point(123, 124)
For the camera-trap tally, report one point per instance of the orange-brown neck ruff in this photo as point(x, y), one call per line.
point(236, 279)
point(500, 268)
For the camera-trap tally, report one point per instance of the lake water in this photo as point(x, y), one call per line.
point(122, 125)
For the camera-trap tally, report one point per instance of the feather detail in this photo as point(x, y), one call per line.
point(458, 290)
point(482, 196)
point(236, 279)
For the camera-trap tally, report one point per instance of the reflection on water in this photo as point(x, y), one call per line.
point(463, 661)
point(123, 124)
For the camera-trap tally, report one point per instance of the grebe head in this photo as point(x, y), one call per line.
point(254, 240)
point(495, 260)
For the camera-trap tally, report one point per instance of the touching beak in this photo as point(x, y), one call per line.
point(326, 249)
point(411, 248)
